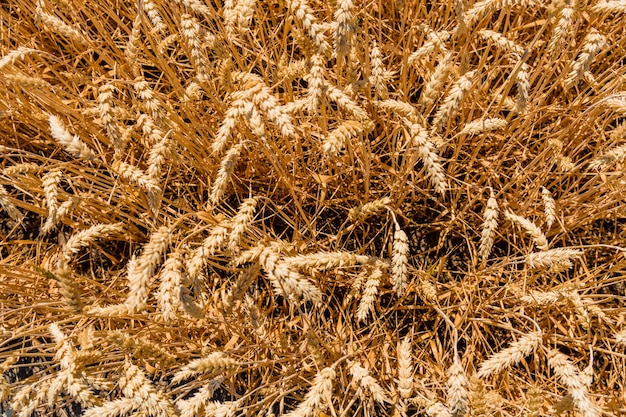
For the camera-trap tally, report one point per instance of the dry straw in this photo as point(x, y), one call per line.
point(510, 356)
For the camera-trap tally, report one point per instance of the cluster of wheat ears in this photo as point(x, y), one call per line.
point(312, 208)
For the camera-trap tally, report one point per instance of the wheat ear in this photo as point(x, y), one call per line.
point(84, 238)
point(142, 272)
point(458, 399)
point(337, 139)
point(369, 294)
point(549, 206)
point(490, 224)
point(16, 55)
point(345, 103)
point(152, 104)
point(430, 159)
point(73, 144)
point(571, 378)
point(620, 337)
point(133, 46)
point(8, 206)
point(150, 8)
point(326, 260)
point(563, 30)
point(592, 44)
point(368, 209)
point(379, 76)
point(362, 378)
point(531, 228)
point(435, 42)
point(501, 41)
point(453, 100)
point(224, 174)
point(119, 407)
point(607, 7)
point(344, 26)
point(304, 15)
point(170, 285)
point(519, 349)
point(59, 26)
point(438, 410)
point(141, 346)
point(435, 83)
point(286, 281)
point(523, 86)
point(200, 405)
point(50, 184)
point(210, 246)
point(106, 110)
point(136, 386)
point(241, 223)
point(400, 260)
point(216, 362)
point(317, 396)
point(190, 29)
point(405, 368)
point(484, 125)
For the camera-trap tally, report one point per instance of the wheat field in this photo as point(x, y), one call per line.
point(312, 208)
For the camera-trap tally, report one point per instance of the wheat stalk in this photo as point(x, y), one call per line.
point(361, 377)
point(316, 398)
point(537, 235)
point(490, 224)
point(508, 357)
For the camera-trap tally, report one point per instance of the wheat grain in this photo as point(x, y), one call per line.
point(400, 261)
point(361, 377)
point(142, 271)
point(563, 30)
point(592, 44)
point(484, 125)
point(453, 100)
point(519, 349)
point(570, 377)
point(405, 368)
point(537, 235)
point(286, 281)
point(369, 294)
point(15, 55)
point(315, 399)
point(430, 159)
point(8, 206)
point(73, 144)
point(458, 400)
point(216, 362)
point(136, 386)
